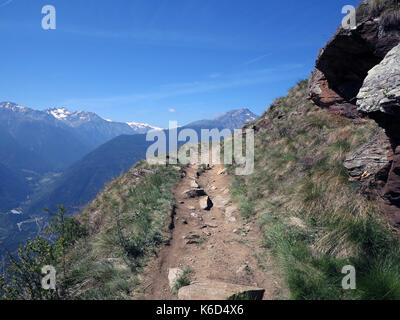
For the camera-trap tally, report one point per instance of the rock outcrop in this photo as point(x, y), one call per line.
point(381, 89)
point(369, 158)
point(344, 62)
point(391, 192)
point(320, 92)
point(379, 98)
point(358, 75)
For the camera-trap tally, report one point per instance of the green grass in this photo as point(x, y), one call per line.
point(128, 222)
point(183, 280)
point(299, 176)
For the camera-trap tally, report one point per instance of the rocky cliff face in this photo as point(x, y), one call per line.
point(379, 98)
point(344, 62)
point(358, 75)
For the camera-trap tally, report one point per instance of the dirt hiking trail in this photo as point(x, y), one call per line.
point(215, 243)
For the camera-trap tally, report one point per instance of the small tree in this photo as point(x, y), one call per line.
point(24, 271)
point(65, 230)
point(23, 276)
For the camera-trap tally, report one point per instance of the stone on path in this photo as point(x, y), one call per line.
point(215, 290)
point(206, 203)
point(194, 184)
point(194, 193)
point(222, 171)
point(173, 275)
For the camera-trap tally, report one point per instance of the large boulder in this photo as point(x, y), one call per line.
point(381, 89)
point(215, 290)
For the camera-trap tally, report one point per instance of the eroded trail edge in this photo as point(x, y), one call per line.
point(212, 247)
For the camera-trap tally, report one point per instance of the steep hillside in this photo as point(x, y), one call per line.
point(325, 186)
point(315, 218)
point(126, 224)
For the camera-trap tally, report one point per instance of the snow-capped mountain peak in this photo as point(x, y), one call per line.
point(78, 118)
point(59, 113)
point(73, 118)
point(13, 107)
point(142, 126)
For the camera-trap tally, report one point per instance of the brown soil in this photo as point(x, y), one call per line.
point(220, 254)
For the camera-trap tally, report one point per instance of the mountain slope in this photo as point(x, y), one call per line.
point(13, 188)
point(93, 129)
point(231, 120)
point(82, 181)
point(33, 140)
point(313, 216)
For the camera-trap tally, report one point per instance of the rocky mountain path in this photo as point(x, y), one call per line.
point(209, 238)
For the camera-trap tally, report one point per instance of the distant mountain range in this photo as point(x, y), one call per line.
point(57, 156)
point(231, 120)
point(80, 183)
point(95, 130)
point(35, 144)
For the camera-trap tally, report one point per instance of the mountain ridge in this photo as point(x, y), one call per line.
point(114, 158)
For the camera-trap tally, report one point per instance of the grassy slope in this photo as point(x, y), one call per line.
point(313, 218)
point(128, 221)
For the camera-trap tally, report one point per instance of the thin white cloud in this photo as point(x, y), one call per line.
point(181, 89)
point(3, 4)
point(215, 75)
point(153, 36)
point(171, 110)
point(257, 59)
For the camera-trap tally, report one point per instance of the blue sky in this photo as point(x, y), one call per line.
point(159, 60)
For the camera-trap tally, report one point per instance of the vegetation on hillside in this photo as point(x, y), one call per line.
point(104, 254)
point(128, 221)
point(313, 218)
point(22, 279)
